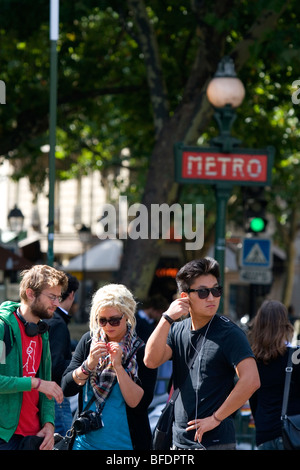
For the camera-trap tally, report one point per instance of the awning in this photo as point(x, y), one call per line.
point(9, 261)
point(105, 256)
point(31, 248)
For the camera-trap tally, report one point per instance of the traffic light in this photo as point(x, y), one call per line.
point(255, 209)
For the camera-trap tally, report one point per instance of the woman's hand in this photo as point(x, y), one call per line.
point(131, 391)
point(115, 351)
point(98, 350)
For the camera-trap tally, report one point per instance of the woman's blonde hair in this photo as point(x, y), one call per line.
point(112, 295)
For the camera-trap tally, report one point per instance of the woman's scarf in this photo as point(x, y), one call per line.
point(103, 378)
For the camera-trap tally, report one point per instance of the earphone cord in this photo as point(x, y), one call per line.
point(199, 355)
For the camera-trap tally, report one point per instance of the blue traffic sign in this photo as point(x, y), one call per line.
point(256, 253)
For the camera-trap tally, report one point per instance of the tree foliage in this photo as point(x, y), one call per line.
point(133, 74)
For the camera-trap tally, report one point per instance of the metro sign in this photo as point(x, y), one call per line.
point(220, 166)
point(210, 166)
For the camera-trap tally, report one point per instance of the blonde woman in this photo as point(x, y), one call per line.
point(107, 367)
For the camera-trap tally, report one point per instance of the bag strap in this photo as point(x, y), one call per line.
point(287, 382)
point(137, 344)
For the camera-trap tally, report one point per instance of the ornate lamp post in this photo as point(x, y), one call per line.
point(15, 220)
point(224, 163)
point(225, 92)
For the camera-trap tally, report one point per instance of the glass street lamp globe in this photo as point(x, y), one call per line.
point(225, 88)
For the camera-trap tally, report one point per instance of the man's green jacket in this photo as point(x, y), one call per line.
point(12, 382)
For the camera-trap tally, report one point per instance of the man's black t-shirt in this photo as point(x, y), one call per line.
point(210, 379)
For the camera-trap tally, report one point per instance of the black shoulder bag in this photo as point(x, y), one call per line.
point(290, 424)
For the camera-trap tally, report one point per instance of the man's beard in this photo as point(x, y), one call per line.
point(39, 310)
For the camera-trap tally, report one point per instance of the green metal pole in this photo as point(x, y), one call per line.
point(52, 140)
point(54, 14)
point(223, 192)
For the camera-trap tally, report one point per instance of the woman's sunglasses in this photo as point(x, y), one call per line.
point(115, 321)
point(204, 292)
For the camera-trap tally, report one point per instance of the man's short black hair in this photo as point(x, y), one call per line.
point(195, 268)
point(73, 285)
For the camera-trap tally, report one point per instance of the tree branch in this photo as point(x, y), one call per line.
point(266, 22)
point(149, 48)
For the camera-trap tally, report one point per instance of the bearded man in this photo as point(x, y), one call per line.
point(27, 392)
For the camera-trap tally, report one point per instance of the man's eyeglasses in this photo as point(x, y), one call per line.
point(53, 297)
point(204, 292)
point(114, 321)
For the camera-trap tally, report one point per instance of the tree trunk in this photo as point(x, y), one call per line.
point(188, 122)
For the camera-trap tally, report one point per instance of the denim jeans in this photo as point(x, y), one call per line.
point(63, 417)
point(275, 444)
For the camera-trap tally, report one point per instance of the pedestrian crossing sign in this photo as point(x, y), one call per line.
point(256, 253)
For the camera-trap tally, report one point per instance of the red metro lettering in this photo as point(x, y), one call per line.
point(231, 167)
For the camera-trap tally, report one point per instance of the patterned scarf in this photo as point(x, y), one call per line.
point(103, 378)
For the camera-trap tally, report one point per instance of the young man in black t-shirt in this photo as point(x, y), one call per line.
point(209, 393)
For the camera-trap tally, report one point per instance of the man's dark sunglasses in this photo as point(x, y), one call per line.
point(115, 321)
point(203, 293)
